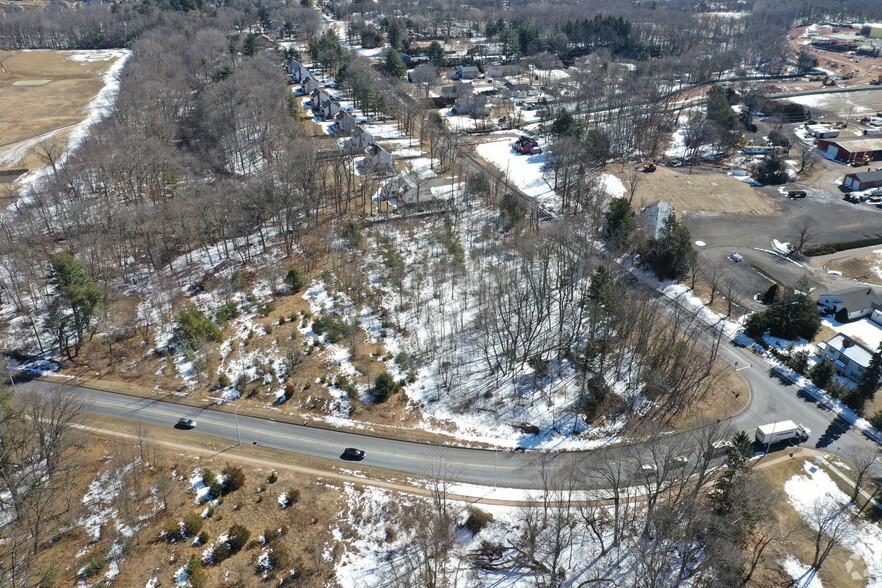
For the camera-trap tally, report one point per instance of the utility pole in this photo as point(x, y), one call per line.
point(236, 416)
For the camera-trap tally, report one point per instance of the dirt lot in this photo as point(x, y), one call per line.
point(837, 61)
point(859, 267)
point(700, 191)
point(44, 94)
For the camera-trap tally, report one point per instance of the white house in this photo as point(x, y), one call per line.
point(466, 72)
point(376, 158)
point(498, 70)
point(655, 214)
point(857, 302)
point(297, 71)
point(330, 108)
point(309, 85)
point(346, 121)
point(360, 140)
point(849, 357)
point(471, 104)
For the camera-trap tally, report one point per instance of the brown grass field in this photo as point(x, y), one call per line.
point(698, 192)
point(43, 94)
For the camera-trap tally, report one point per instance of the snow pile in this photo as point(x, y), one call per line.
point(816, 489)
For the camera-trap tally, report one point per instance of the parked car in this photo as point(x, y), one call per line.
point(352, 453)
point(185, 423)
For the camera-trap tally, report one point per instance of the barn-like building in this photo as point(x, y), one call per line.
point(849, 149)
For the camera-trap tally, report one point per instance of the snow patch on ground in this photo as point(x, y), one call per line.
point(817, 489)
point(800, 573)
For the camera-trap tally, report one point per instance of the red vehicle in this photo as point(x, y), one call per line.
point(527, 146)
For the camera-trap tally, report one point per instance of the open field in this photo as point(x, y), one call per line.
point(700, 192)
point(44, 94)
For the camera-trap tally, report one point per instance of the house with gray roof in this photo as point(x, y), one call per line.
point(849, 357)
point(857, 302)
point(655, 214)
point(466, 72)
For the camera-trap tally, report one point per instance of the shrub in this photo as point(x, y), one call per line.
point(216, 490)
point(385, 386)
point(95, 565)
point(876, 420)
point(270, 535)
point(273, 476)
point(193, 565)
point(822, 373)
point(224, 381)
point(229, 310)
point(841, 315)
point(208, 477)
point(333, 329)
point(48, 578)
point(195, 573)
point(238, 537)
point(234, 478)
point(192, 524)
point(477, 520)
point(173, 531)
point(203, 538)
point(221, 552)
point(292, 497)
point(279, 558)
point(193, 329)
point(295, 279)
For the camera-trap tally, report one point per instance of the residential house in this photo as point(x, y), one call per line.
point(520, 89)
point(465, 72)
point(297, 71)
point(498, 70)
point(849, 357)
point(863, 180)
point(471, 104)
point(456, 89)
point(377, 159)
point(264, 41)
point(404, 188)
point(360, 139)
point(655, 214)
point(857, 302)
point(422, 72)
point(309, 85)
point(330, 109)
point(346, 121)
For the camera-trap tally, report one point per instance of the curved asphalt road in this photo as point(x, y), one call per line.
point(771, 401)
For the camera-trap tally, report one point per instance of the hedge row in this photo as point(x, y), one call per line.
point(825, 248)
